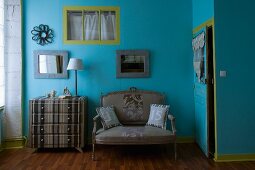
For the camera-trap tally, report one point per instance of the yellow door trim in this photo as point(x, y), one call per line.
point(235, 157)
point(207, 23)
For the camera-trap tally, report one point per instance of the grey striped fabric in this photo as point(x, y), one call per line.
point(56, 122)
point(50, 118)
point(55, 129)
point(55, 105)
point(55, 141)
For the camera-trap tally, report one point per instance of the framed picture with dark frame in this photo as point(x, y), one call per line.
point(132, 63)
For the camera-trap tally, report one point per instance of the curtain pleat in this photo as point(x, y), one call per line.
point(108, 26)
point(91, 26)
point(74, 26)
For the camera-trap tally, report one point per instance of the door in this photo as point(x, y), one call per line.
point(203, 89)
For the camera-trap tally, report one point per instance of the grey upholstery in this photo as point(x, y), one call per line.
point(132, 135)
point(132, 107)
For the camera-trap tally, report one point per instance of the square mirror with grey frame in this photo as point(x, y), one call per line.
point(132, 63)
point(50, 64)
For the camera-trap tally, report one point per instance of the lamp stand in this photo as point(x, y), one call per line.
point(76, 83)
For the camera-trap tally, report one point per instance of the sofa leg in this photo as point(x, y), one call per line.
point(175, 151)
point(93, 152)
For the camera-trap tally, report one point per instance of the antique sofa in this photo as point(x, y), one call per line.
point(132, 107)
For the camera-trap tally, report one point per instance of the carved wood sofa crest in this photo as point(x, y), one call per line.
point(132, 107)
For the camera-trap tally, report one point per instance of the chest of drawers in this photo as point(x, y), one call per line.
point(58, 123)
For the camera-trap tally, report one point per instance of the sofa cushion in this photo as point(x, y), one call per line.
point(134, 135)
point(108, 117)
point(132, 107)
point(158, 115)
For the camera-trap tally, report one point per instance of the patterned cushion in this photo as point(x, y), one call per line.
point(133, 106)
point(108, 117)
point(158, 115)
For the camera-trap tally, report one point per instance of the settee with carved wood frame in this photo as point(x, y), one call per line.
point(132, 107)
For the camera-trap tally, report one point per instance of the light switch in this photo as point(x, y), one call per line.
point(223, 73)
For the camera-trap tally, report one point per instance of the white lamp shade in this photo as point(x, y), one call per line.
point(75, 64)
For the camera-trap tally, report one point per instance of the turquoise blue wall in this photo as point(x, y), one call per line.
point(164, 28)
point(203, 10)
point(234, 29)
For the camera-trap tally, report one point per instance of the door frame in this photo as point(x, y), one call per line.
point(210, 23)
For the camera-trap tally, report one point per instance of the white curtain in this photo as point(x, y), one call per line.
point(12, 117)
point(91, 20)
point(108, 26)
point(2, 66)
point(74, 26)
point(91, 26)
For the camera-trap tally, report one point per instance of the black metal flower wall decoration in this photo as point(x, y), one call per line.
point(42, 34)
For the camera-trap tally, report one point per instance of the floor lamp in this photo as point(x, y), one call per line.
point(75, 64)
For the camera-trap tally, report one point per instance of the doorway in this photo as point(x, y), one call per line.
point(210, 92)
point(204, 96)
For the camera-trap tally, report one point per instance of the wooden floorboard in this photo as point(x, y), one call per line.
point(155, 157)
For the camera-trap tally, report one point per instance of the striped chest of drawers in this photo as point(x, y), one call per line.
point(58, 123)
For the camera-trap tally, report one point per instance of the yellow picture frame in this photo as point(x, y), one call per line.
point(90, 8)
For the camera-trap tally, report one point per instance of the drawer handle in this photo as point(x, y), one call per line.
point(68, 118)
point(42, 129)
point(41, 140)
point(42, 107)
point(42, 118)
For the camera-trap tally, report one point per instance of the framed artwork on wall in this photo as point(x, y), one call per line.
point(50, 64)
point(91, 25)
point(132, 63)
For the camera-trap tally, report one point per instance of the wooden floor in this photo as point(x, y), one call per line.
point(115, 158)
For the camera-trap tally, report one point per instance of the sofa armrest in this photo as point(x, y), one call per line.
point(172, 119)
point(95, 119)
